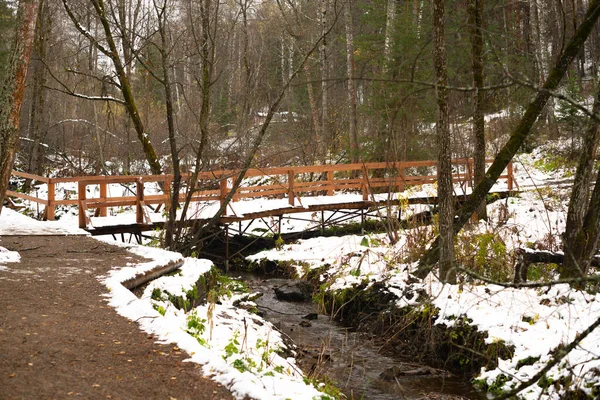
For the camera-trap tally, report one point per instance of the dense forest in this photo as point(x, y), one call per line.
point(356, 78)
point(128, 87)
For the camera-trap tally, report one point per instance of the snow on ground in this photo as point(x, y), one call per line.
point(236, 348)
point(534, 321)
point(14, 223)
point(7, 256)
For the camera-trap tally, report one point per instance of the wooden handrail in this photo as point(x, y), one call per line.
point(355, 176)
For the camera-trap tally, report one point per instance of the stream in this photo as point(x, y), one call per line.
point(330, 351)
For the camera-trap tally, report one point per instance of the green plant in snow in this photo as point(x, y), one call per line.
point(484, 253)
point(279, 242)
point(156, 294)
point(196, 327)
point(232, 347)
point(161, 310)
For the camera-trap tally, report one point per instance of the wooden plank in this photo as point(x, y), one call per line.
point(27, 197)
point(98, 203)
point(30, 176)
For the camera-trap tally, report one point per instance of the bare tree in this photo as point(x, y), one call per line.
point(113, 53)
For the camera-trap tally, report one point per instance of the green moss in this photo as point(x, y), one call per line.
point(527, 361)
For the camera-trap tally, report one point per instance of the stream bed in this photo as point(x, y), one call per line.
point(330, 351)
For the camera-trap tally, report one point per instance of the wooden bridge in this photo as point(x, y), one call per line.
point(371, 184)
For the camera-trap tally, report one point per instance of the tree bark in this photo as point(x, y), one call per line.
point(518, 136)
point(166, 83)
point(444, 169)
point(390, 29)
point(578, 204)
point(37, 106)
point(353, 119)
point(324, 74)
point(476, 22)
point(13, 89)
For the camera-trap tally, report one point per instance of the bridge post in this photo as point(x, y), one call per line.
point(401, 181)
point(365, 183)
point(167, 193)
point(103, 194)
point(139, 194)
point(81, 196)
point(330, 178)
point(223, 192)
point(291, 179)
point(51, 197)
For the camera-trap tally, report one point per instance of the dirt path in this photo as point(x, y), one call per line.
point(60, 339)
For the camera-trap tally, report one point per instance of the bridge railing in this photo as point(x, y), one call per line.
point(290, 182)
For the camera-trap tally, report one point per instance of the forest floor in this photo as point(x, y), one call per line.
point(59, 338)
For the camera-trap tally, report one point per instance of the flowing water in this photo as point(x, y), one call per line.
point(350, 359)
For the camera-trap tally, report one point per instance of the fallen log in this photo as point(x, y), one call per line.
point(526, 257)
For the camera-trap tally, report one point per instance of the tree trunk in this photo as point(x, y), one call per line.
point(476, 22)
point(37, 106)
point(324, 74)
point(353, 119)
point(206, 51)
point(444, 169)
point(166, 82)
point(390, 28)
point(13, 89)
point(518, 136)
point(576, 233)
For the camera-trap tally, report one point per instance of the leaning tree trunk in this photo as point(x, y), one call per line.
point(518, 136)
point(444, 170)
point(476, 22)
point(13, 89)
